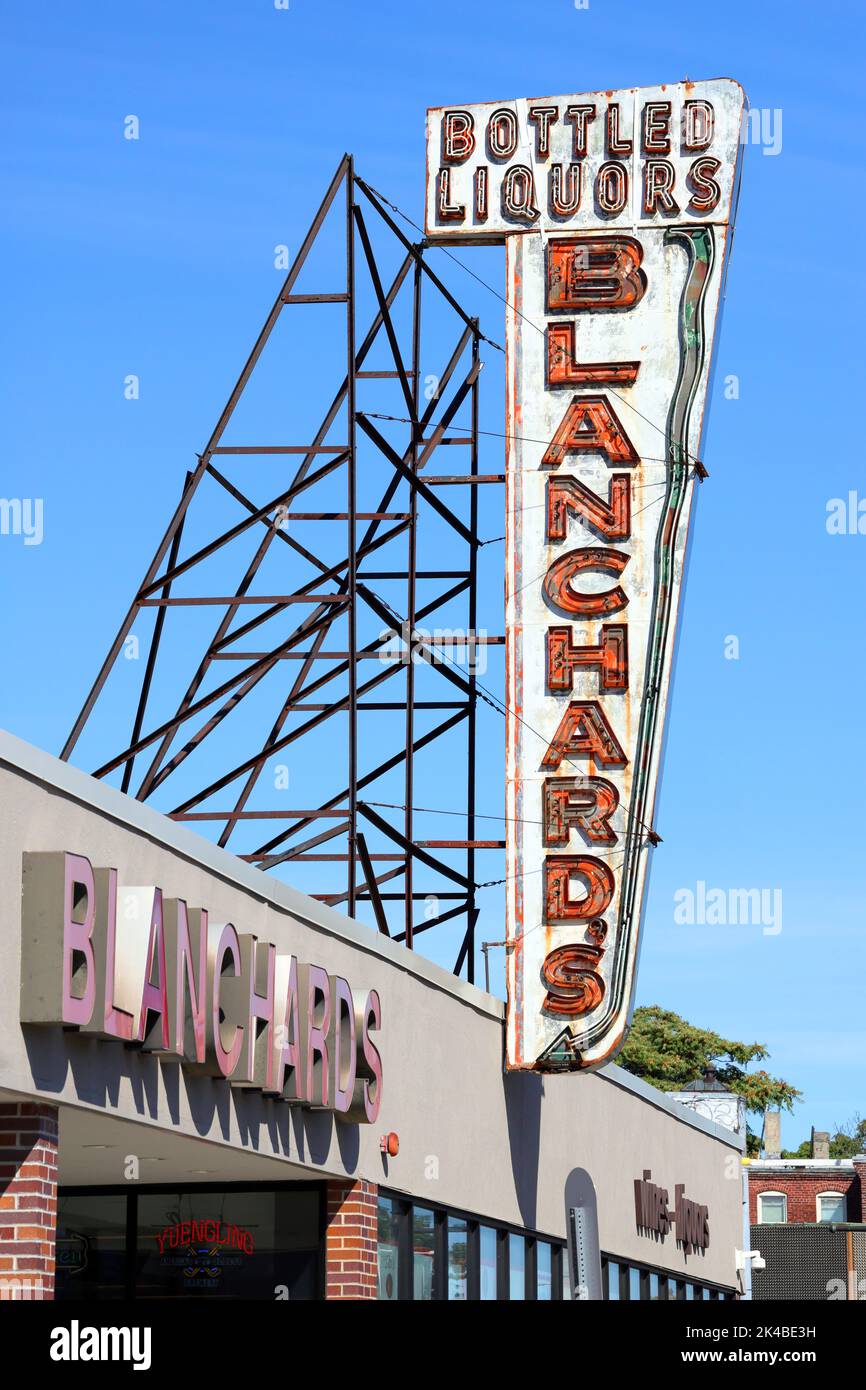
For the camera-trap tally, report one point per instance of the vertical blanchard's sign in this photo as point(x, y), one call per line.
point(616, 210)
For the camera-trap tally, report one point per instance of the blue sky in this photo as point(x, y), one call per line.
point(156, 257)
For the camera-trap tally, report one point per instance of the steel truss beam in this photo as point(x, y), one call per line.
point(335, 597)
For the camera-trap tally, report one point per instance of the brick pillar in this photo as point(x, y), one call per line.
point(28, 1199)
point(857, 1198)
point(351, 1242)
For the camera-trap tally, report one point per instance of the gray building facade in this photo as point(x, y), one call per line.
point(131, 1171)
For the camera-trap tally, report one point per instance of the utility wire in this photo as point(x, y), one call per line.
point(491, 288)
point(497, 434)
point(477, 815)
point(494, 701)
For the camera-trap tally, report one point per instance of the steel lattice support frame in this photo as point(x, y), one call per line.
point(341, 588)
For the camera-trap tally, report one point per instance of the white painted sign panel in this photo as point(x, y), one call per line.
point(616, 211)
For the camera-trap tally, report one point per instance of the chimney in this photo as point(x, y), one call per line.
point(820, 1143)
point(771, 1139)
point(860, 1195)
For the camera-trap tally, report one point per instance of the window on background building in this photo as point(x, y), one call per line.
point(487, 1242)
point(458, 1257)
point(613, 1280)
point(654, 1288)
point(634, 1285)
point(772, 1208)
point(543, 1272)
point(516, 1267)
point(423, 1253)
point(389, 1249)
point(832, 1206)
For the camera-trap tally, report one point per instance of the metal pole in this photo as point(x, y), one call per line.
point(473, 680)
point(156, 637)
point(352, 571)
point(411, 603)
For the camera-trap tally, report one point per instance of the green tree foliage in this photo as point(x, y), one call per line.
point(670, 1053)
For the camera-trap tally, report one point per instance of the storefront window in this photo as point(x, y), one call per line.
point(198, 1242)
point(389, 1250)
point(516, 1267)
point(544, 1272)
point(487, 1240)
point(423, 1252)
point(266, 1243)
point(457, 1257)
point(91, 1247)
point(255, 1244)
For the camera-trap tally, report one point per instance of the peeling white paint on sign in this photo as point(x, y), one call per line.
point(616, 210)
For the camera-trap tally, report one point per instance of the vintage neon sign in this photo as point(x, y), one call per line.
point(127, 964)
point(615, 209)
point(492, 167)
point(210, 1233)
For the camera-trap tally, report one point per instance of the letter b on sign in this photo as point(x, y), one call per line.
point(589, 273)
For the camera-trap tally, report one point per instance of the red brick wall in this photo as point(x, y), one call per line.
point(351, 1244)
point(28, 1199)
point(801, 1193)
point(859, 1192)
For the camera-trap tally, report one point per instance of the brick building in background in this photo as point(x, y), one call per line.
point(808, 1221)
point(818, 1189)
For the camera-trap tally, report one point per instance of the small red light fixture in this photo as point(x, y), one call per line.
point(390, 1144)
